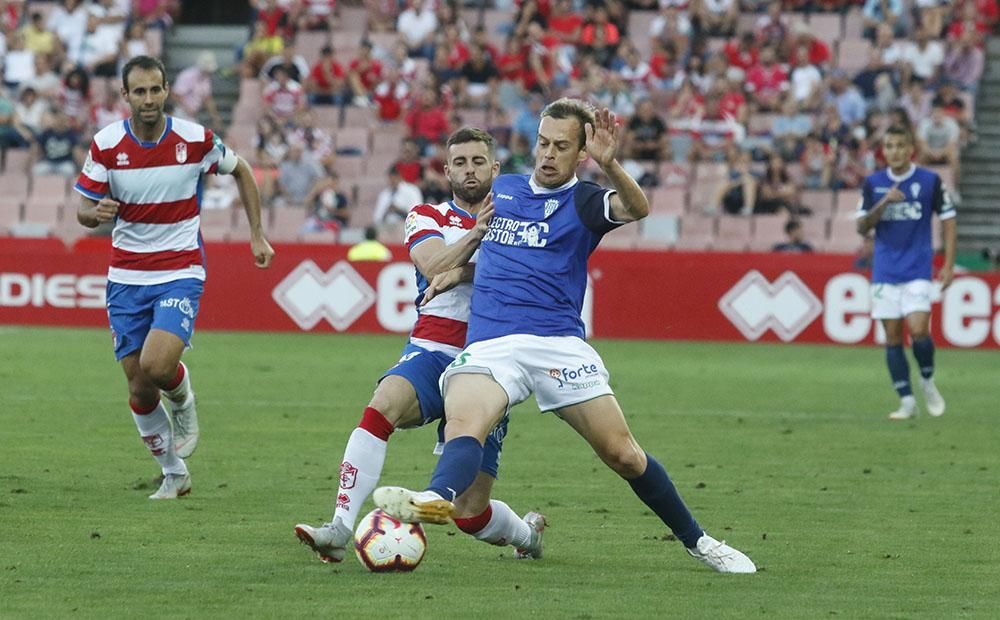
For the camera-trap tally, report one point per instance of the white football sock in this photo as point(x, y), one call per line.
point(360, 471)
point(504, 527)
point(182, 392)
point(154, 428)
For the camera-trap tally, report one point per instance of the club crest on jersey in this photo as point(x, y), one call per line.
point(454, 220)
point(915, 190)
point(550, 206)
point(122, 159)
point(182, 152)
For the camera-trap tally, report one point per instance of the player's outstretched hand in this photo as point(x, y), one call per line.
point(945, 276)
point(106, 210)
point(895, 194)
point(484, 216)
point(262, 252)
point(444, 281)
point(603, 136)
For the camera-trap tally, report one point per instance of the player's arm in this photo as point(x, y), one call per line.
point(92, 213)
point(250, 196)
point(628, 203)
point(949, 233)
point(870, 219)
point(432, 257)
point(447, 280)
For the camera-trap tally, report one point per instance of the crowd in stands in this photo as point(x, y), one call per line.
point(737, 112)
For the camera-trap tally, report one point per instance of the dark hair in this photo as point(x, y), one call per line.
point(792, 225)
point(582, 111)
point(146, 63)
point(900, 130)
point(473, 134)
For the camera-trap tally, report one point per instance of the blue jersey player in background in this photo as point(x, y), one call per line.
point(526, 336)
point(899, 202)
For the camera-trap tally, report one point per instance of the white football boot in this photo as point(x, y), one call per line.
point(907, 409)
point(185, 426)
point(329, 540)
point(533, 550)
point(413, 506)
point(933, 398)
point(721, 557)
point(173, 486)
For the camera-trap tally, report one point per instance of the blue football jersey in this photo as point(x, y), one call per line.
point(903, 243)
point(531, 275)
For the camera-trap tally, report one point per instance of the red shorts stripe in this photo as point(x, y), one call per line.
point(160, 212)
point(155, 261)
point(440, 329)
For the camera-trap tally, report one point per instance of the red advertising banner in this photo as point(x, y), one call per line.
point(650, 295)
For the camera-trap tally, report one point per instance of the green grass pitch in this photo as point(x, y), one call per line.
point(783, 450)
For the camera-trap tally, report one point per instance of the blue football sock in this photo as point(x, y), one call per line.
point(899, 370)
point(923, 351)
point(656, 490)
point(457, 468)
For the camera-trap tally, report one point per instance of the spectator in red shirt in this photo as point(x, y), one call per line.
point(540, 65)
point(767, 82)
point(600, 32)
point(565, 23)
point(364, 74)
point(390, 94)
point(971, 21)
point(511, 62)
point(274, 18)
point(742, 52)
point(326, 84)
point(427, 123)
point(819, 52)
point(732, 103)
point(409, 166)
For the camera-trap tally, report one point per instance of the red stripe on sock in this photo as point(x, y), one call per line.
point(375, 423)
point(138, 409)
point(475, 524)
point(177, 378)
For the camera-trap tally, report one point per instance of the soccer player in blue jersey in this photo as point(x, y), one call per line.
point(898, 202)
point(442, 239)
point(526, 335)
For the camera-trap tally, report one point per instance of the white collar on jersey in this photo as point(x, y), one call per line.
point(898, 178)
point(538, 189)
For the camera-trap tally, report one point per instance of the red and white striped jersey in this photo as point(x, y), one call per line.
point(156, 235)
point(442, 323)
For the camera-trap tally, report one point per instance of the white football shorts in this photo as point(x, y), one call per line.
point(559, 370)
point(895, 301)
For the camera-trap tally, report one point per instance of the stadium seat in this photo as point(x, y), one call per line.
point(323, 236)
point(659, 230)
point(847, 203)
point(638, 28)
point(327, 117)
point(734, 234)
point(497, 23)
point(308, 43)
point(844, 237)
point(17, 162)
point(352, 19)
point(667, 200)
point(216, 223)
point(353, 139)
point(45, 203)
point(242, 138)
point(386, 140)
point(359, 117)
point(286, 224)
point(852, 54)
point(814, 229)
point(383, 41)
point(472, 117)
point(367, 189)
point(624, 238)
point(14, 181)
point(697, 232)
point(351, 167)
point(819, 201)
point(826, 27)
point(10, 210)
point(154, 41)
point(767, 231)
point(854, 23)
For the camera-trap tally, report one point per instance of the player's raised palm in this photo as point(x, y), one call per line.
point(603, 136)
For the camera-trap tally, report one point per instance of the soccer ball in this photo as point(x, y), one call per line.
point(385, 545)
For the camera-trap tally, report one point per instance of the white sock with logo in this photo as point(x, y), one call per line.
point(360, 471)
point(502, 526)
point(154, 428)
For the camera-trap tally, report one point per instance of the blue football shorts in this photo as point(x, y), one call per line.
point(423, 368)
point(135, 309)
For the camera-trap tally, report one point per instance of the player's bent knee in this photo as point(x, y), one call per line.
point(625, 458)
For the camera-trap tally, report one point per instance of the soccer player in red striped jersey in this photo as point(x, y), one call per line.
point(144, 174)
